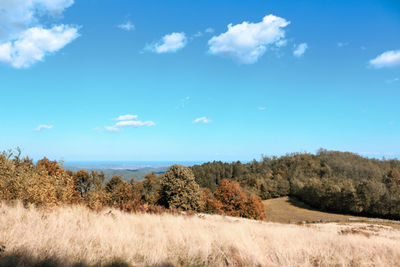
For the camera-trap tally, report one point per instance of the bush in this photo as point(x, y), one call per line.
point(179, 189)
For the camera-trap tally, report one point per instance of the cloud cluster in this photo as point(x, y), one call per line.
point(202, 119)
point(128, 121)
point(300, 50)
point(23, 41)
point(170, 43)
point(247, 42)
point(35, 43)
point(386, 59)
point(43, 127)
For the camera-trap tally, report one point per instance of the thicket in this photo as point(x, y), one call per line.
point(46, 183)
point(329, 180)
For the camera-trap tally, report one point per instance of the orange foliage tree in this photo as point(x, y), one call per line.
point(234, 202)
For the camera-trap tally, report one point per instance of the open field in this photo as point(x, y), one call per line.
point(289, 210)
point(75, 235)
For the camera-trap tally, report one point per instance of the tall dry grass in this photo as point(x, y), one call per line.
point(73, 234)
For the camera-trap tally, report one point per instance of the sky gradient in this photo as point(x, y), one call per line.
point(170, 80)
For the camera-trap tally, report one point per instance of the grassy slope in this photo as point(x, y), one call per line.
point(65, 236)
point(289, 210)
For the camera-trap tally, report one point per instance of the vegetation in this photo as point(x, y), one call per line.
point(341, 182)
point(179, 189)
point(77, 236)
point(46, 183)
point(334, 181)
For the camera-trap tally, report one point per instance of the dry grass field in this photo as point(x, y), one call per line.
point(76, 236)
point(289, 210)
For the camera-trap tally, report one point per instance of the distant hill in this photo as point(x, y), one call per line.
point(126, 169)
point(126, 174)
point(138, 174)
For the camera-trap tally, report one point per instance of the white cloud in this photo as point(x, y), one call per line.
point(386, 59)
point(169, 43)
point(202, 119)
point(261, 108)
point(134, 123)
point(281, 43)
point(18, 15)
point(300, 50)
point(247, 42)
point(35, 43)
point(127, 26)
point(43, 127)
point(127, 117)
point(128, 121)
point(23, 41)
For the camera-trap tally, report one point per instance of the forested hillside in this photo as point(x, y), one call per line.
point(330, 180)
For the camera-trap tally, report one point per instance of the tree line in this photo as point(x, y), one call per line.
point(46, 183)
point(335, 181)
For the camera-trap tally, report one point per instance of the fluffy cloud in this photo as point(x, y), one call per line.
point(43, 127)
point(247, 42)
point(169, 43)
point(128, 121)
point(127, 26)
point(18, 15)
point(127, 117)
point(202, 119)
point(386, 59)
point(134, 123)
point(300, 50)
point(23, 41)
point(35, 43)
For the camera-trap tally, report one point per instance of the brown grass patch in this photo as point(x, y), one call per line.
point(77, 236)
point(290, 210)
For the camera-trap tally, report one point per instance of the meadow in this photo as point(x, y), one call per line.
point(77, 236)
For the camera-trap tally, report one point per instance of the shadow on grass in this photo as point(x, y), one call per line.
point(22, 260)
point(299, 204)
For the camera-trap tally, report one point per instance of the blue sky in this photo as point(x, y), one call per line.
point(168, 80)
